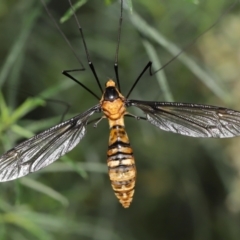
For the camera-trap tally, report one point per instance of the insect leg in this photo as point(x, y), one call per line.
point(118, 44)
point(134, 116)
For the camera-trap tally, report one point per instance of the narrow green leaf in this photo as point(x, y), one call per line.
point(40, 187)
point(14, 80)
point(39, 125)
point(161, 78)
point(130, 5)
point(4, 112)
point(108, 2)
point(196, 2)
point(5, 206)
point(26, 107)
point(74, 166)
point(69, 13)
point(86, 166)
point(21, 131)
point(24, 223)
point(17, 235)
point(18, 46)
point(51, 91)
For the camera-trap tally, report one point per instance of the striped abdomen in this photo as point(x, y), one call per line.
point(121, 165)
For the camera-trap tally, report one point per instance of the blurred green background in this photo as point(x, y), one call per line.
point(187, 189)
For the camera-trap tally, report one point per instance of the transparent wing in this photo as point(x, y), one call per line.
point(44, 148)
point(192, 120)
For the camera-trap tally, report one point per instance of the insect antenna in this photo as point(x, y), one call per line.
point(118, 44)
point(66, 72)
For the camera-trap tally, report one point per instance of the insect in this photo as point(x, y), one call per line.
point(193, 120)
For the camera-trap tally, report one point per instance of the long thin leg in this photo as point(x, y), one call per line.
point(149, 65)
point(85, 48)
point(118, 44)
point(67, 73)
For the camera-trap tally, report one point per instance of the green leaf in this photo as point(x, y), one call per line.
point(85, 166)
point(18, 46)
point(40, 187)
point(4, 111)
point(161, 78)
point(24, 223)
point(26, 107)
point(196, 2)
point(74, 166)
point(69, 13)
point(21, 131)
point(130, 5)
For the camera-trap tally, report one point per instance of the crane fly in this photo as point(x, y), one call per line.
point(193, 120)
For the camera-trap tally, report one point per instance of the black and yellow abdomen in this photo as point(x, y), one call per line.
point(121, 165)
